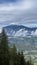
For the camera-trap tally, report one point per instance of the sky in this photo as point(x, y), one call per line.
point(20, 12)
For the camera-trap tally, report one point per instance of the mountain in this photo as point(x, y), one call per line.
point(20, 30)
point(25, 38)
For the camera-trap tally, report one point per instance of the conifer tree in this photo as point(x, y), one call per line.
point(18, 58)
point(14, 55)
point(22, 59)
point(28, 63)
point(4, 49)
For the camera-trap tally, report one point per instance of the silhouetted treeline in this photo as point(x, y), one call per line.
point(10, 56)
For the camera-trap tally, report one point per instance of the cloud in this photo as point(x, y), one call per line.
point(20, 12)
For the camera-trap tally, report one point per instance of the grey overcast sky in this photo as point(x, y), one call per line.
point(23, 12)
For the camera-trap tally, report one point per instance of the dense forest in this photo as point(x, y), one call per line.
point(11, 56)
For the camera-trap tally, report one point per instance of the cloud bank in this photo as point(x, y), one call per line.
point(22, 12)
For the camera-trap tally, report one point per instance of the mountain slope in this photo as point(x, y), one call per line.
point(20, 30)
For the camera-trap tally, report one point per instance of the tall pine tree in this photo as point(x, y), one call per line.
point(22, 59)
point(14, 55)
point(4, 49)
point(18, 58)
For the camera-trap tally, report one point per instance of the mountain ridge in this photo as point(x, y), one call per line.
point(20, 30)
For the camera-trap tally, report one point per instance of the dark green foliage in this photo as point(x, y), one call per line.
point(14, 55)
point(28, 63)
point(4, 49)
point(18, 58)
point(22, 59)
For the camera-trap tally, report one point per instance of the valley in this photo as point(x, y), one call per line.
point(27, 44)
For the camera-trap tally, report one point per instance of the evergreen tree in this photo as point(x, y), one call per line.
point(14, 55)
point(4, 49)
point(28, 63)
point(18, 58)
point(22, 59)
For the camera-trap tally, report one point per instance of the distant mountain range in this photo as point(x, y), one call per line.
point(20, 30)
